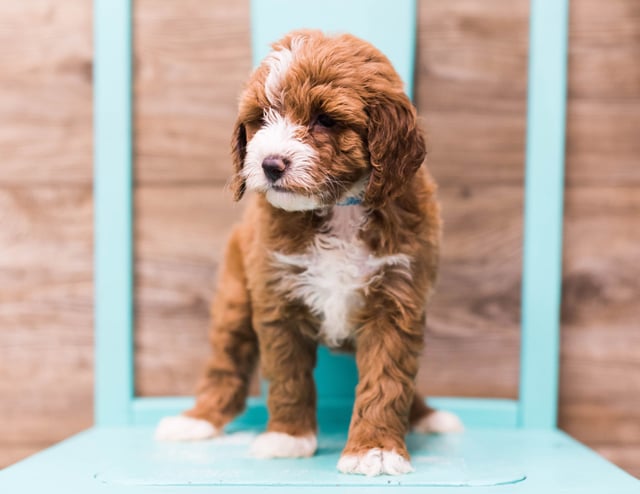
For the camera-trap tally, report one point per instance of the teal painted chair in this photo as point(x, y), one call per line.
point(510, 446)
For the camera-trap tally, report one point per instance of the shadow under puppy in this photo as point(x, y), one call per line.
point(338, 247)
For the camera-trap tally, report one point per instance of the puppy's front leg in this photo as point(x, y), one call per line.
point(387, 359)
point(287, 361)
point(225, 386)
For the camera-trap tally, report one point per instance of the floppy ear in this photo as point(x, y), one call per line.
point(396, 147)
point(238, 153)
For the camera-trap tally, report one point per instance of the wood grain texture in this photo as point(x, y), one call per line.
point(472, 339)
point(471, 89)
point(45, 100)
point(176, 264)
point(46, 308)
point(191, 63)
point(603, 146)
point(45, 316)
point(600, 375)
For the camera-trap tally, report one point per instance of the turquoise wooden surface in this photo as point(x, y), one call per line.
point(127, 460)
point(113, 212)
point(536, 458)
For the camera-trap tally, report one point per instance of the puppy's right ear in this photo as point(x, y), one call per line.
point(238, 153)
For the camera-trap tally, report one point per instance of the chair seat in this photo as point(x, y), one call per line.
point(128, 459)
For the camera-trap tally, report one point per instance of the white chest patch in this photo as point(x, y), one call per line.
point(332, 274)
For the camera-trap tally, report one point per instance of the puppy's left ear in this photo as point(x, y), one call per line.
point(238, 153)
point(396, 147)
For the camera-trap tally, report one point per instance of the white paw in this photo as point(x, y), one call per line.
point(281, 445)
point(439, 422)
point(182, 428)
point(375, 462)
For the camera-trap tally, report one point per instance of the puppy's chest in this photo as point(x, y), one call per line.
point(331, 276)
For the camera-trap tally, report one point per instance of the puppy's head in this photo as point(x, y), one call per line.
point(322, 120)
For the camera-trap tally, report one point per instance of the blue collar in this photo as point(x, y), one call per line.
point(350, 201)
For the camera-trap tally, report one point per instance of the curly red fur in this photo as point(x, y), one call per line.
point(260, 306)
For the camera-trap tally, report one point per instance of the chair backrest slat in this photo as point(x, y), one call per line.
point(389, 24)
point(113, 165)
point(544, 192)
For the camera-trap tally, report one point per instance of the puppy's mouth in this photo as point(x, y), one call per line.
point(291, 190)
point(280, 188)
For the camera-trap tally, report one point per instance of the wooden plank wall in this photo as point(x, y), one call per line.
point(191, 60)
point(46, 227)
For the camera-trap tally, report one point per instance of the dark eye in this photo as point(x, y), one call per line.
point(325, 120)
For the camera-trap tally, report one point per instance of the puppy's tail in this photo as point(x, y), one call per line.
point(426, 420)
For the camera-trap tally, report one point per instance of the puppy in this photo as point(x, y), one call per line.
point(338, 246)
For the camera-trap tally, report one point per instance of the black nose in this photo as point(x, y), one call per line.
point(274, 167)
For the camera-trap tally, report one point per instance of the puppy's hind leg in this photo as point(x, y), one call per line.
point(224, 388)
point(426, 420)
